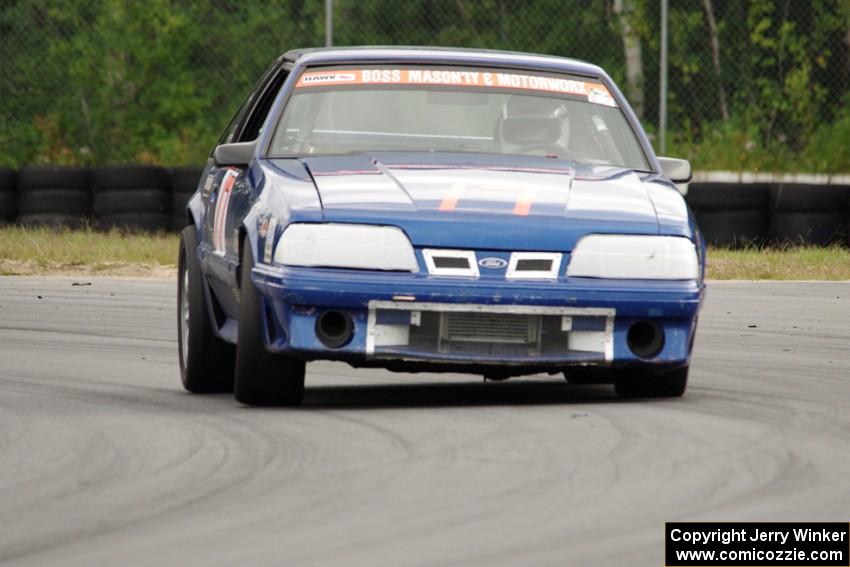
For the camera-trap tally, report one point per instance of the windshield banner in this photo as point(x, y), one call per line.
point(595, 92)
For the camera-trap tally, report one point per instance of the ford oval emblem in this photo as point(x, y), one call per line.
point(492, 263)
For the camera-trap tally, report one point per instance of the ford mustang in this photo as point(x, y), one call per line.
point(425, 209)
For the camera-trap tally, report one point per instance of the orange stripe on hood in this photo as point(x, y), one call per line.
point(454, 194)
point(523, 204)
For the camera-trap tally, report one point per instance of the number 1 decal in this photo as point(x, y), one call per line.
point(221, 204)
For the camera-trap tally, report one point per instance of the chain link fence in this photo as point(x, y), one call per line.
point(753, 84)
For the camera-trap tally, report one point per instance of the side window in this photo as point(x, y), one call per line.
point(237, 125)
point(257, 118)
point(230, 132)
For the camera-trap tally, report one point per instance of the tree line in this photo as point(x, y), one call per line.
point(754, 84)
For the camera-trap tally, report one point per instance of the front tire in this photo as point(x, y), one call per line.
point(262, 378)
point(647, 384)
point(206, 361)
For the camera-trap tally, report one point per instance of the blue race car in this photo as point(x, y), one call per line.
point(441, 210)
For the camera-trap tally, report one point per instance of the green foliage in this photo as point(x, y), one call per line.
point(125, 81)
point(731, 145)
point(828, 150)
point(105, 81)
point(784, 65)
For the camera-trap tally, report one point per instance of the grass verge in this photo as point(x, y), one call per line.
point(56, 251)
point(51, 251)
point(779, 263)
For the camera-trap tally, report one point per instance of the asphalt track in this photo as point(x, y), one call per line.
point(104, 460)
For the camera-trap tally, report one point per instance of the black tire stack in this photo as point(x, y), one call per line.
point(730, 214)
point(8, 196)
point(53, 195)
point(184, 182)
point(131, 197)
point(808, 214)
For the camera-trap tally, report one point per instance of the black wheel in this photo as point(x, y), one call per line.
point(8, 197)
point(646, 384)
point(206, 362)
point(55, 201)
point(704, 197)
point(149, 222)
point(177, 222)
point(111, 177)
point(8, 206)
point(117, 201)
point(53, 195)
point(799, 198)
point(185, 179)
point(733, 228)
point(262, 378)
point(53, 177)
point(53, 220)
point(819, 229)
point(178, 210)
point(8, 180)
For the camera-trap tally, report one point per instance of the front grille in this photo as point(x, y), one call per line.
point(489, 333)
point(493, 327)
point(486, 350)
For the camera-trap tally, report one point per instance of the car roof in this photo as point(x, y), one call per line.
point(445, 55)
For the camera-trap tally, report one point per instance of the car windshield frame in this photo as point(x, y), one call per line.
point(631, 129)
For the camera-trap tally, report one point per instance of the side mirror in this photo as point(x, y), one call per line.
point(239, 153)
point(676, 170)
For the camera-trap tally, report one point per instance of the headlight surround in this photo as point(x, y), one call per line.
point(634, 257)
point(353, 246)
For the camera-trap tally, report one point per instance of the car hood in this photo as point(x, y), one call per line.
point(492, 202)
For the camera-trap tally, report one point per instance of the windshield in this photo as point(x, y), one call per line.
point(456, 109)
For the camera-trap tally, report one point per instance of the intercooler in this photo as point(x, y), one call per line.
point(513, 333)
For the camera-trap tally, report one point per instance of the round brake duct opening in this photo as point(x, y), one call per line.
point(645, 339)
point(334, 328)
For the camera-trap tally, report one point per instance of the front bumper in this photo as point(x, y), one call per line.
point(418, 318)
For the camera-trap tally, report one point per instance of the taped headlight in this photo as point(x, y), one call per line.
point(357, 246)
point(634, 257)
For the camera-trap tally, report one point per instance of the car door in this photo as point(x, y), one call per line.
point(227, 197)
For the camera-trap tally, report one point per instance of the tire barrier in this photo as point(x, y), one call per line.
point(8, 196)
point(53, 195)
point(808, 214)
point(731, 209)
point(184, 182)
point(131, 197)
point(731, 214)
